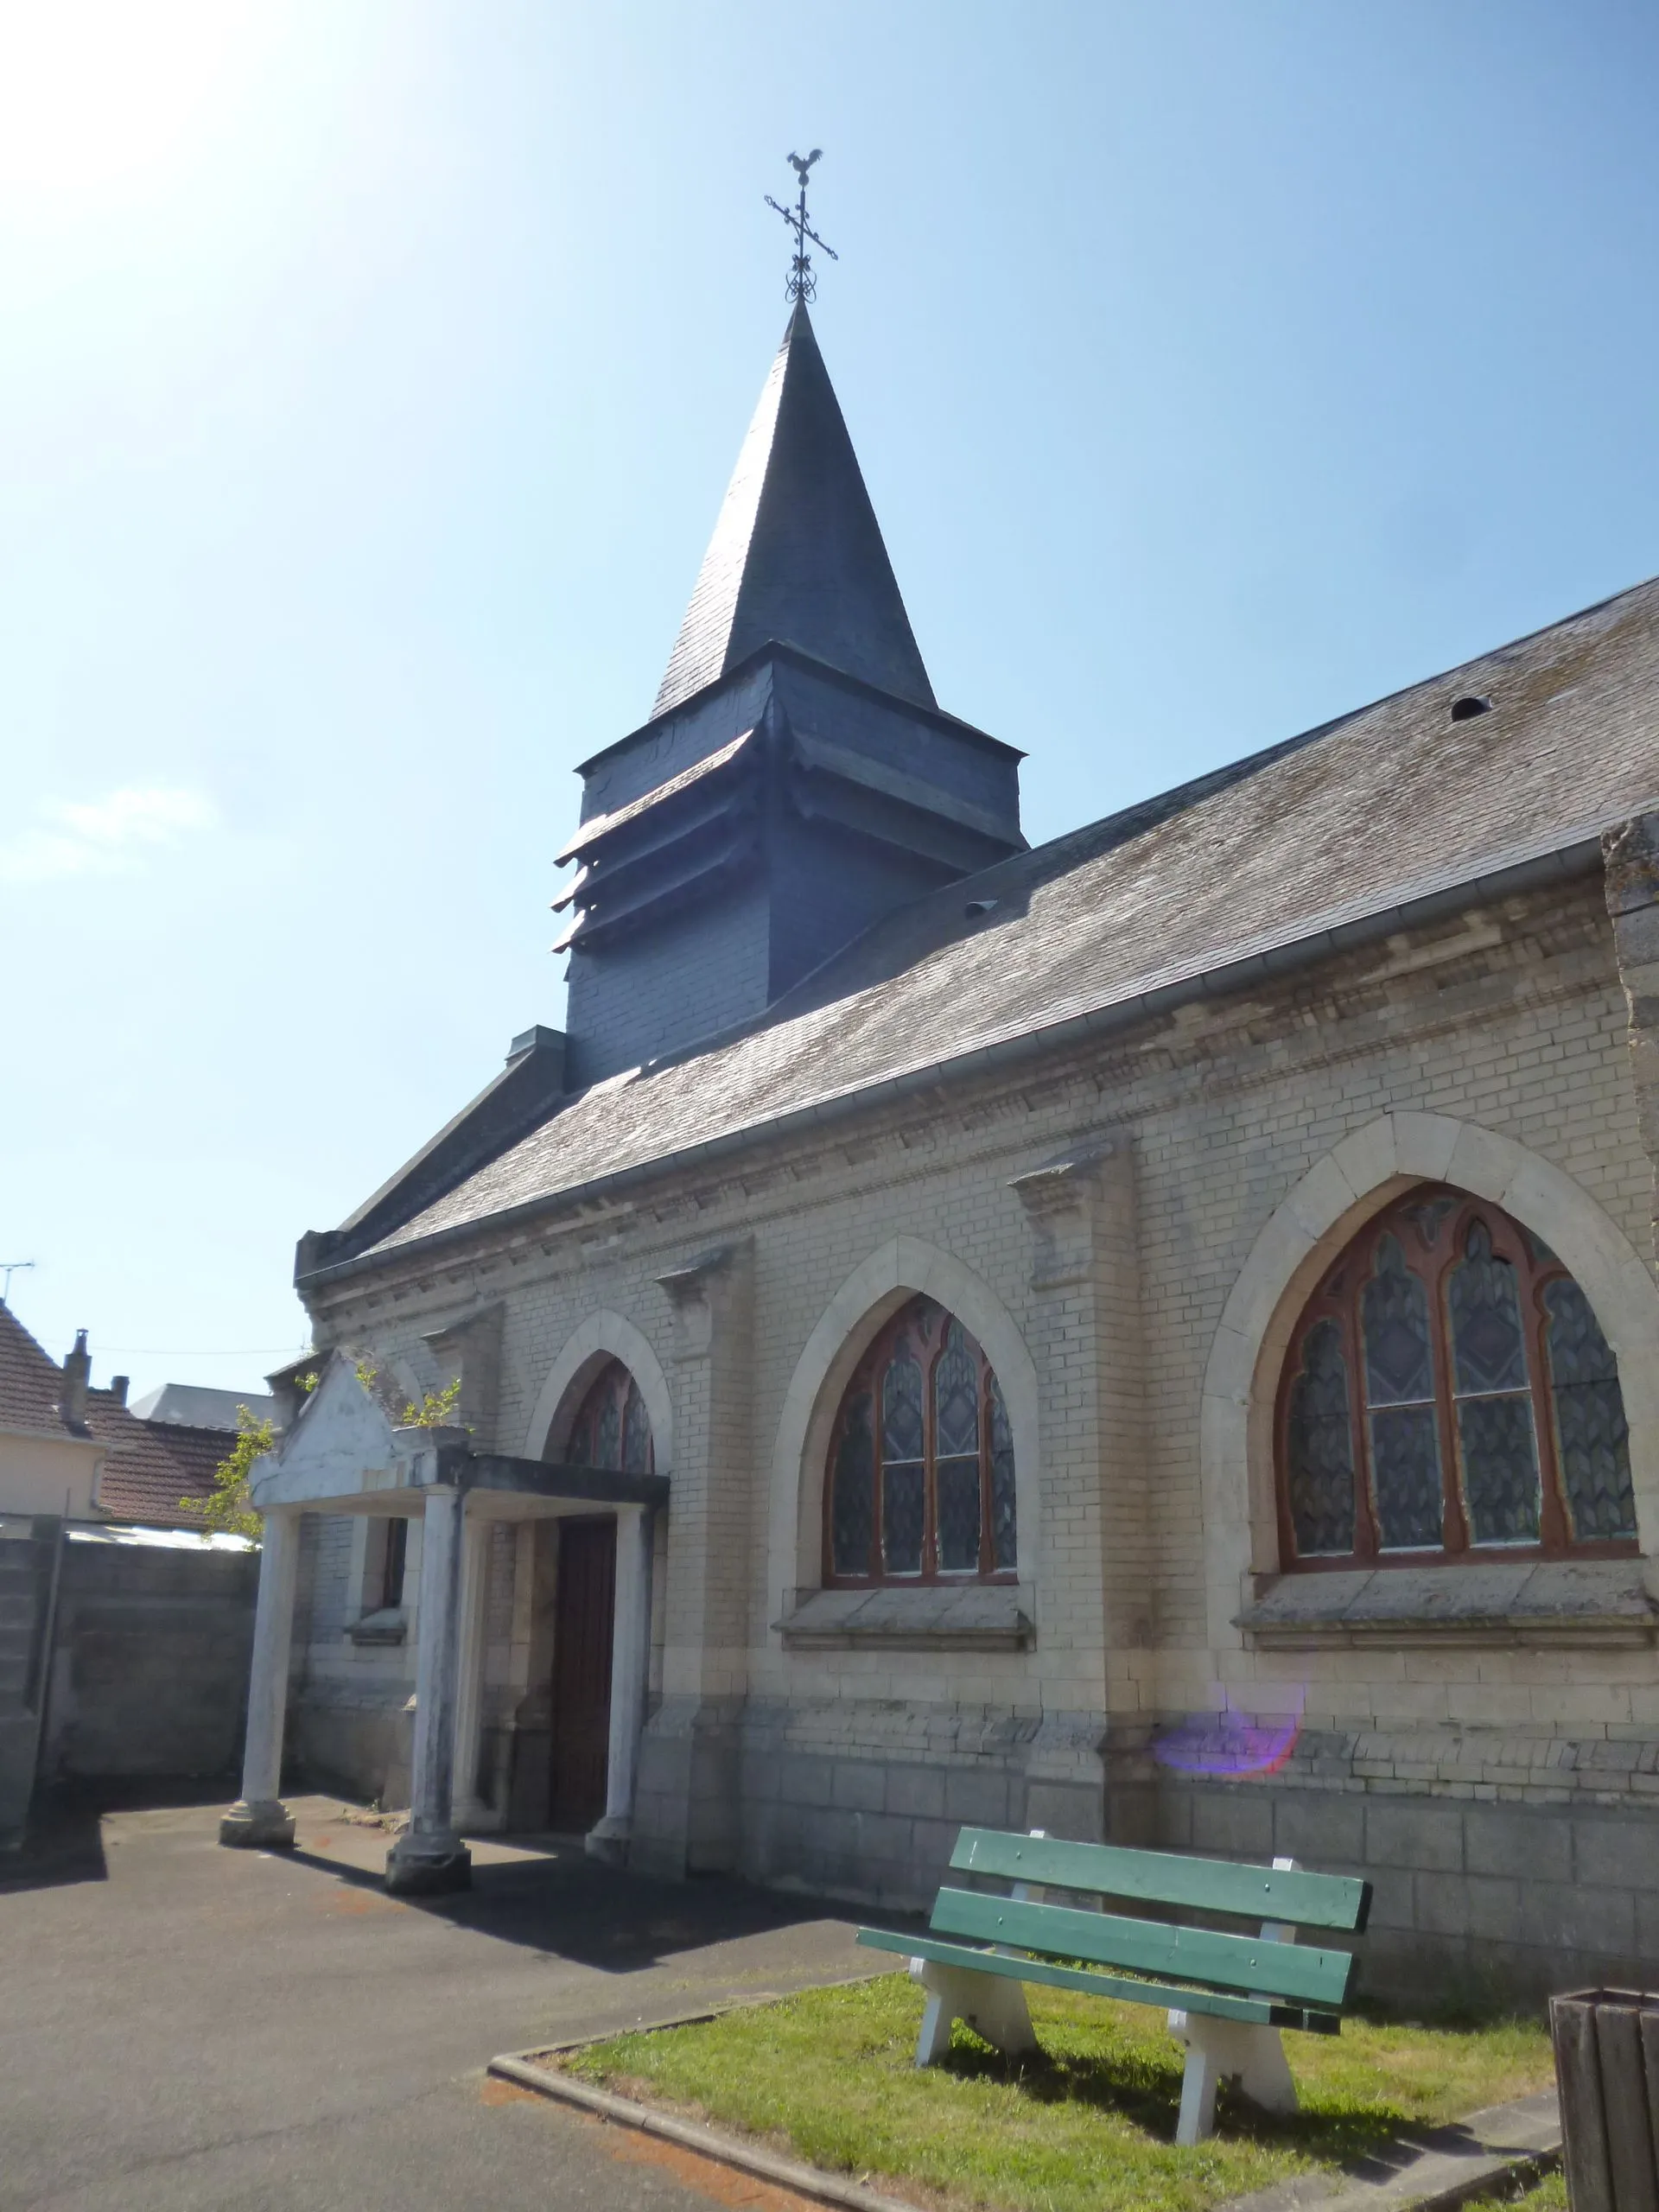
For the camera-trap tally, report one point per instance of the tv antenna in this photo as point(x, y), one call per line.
point(8, 1269)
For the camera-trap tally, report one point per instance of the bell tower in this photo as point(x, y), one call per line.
point(796, 781)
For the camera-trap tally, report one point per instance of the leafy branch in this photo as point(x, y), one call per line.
point(229, 1506)
point(435, 1409)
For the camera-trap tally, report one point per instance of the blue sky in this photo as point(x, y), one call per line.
point(371, 373)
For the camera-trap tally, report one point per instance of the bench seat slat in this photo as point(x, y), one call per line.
point(1257, 2010)
point(1248, 1962)
point(1166, 1877)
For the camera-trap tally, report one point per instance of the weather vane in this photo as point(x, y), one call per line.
point(802, 285)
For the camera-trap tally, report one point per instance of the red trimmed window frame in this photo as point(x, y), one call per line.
point(932, 1323)
point(1338, 1298)
point(615, 1390)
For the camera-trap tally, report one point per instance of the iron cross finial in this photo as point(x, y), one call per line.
point(802, 284)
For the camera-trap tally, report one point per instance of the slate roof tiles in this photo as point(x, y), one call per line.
point(1381, 807)
point(798, 555)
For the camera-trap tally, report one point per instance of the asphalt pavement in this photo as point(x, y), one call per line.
point(200, 2030)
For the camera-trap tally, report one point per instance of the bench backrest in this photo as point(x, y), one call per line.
point(1266, 1965)
point(1166, 1877)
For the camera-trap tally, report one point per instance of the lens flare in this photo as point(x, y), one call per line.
point(1230, 1744)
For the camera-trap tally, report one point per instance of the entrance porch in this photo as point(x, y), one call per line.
point(342, 1456)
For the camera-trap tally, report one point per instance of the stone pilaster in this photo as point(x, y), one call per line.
point(1630, 855)
point(472, 1349)
point(1097, 1568)
point(686, 1795)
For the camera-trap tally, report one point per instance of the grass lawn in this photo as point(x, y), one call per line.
point(1084, 2126)
point(1547, 2195)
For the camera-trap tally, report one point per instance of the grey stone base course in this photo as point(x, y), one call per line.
point(1483, 1891)
point(1473, 1901)
point(1479, 1899)
point(863, 1802)
point(1431, 2171)
point(685, 1798)
point(361, 1749)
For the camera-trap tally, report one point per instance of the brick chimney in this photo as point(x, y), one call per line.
point(77, 1372)
point(119, 1385)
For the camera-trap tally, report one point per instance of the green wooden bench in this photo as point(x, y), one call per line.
point(1230, 1995)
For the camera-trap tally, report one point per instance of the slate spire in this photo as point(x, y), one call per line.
point(797, 556)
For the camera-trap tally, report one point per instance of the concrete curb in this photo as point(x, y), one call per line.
point(726, 2150)
point(1435, 2171)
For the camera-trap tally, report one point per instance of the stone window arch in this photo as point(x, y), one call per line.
point(920, 1485)
point(1448, 1394)
point(611, 1427)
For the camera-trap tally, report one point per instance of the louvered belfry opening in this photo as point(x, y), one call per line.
point(797, 781)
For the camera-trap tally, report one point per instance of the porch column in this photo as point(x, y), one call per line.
point(629, 1665)
point(259, 1819)
point(429, 1856)
point(470, 1812)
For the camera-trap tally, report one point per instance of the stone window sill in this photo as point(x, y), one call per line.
point(1559, 1602)
point(388, 1625)
point(980, 1617)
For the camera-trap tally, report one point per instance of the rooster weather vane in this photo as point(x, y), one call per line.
point(802, 284)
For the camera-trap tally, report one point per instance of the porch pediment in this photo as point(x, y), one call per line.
point(340, 1448)
point(342, 1454)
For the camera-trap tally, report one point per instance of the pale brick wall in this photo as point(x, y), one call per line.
point(1509, 1017)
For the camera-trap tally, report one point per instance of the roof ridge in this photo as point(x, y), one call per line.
point(1040, 863)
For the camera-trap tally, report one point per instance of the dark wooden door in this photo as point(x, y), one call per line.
point(582, 1671)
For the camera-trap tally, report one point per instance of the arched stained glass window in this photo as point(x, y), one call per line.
point(612, 1428)
point(921, 1475)
point(1449, 1394)
point(1320, 1447)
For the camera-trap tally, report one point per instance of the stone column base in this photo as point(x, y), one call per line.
point(607, 1840)
point(265, 1824)
point(427, 1865)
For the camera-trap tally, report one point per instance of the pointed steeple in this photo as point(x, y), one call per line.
point(797, 556)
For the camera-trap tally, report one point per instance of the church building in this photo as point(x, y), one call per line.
point(1152, 1337)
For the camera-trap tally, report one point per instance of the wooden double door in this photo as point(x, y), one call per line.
point(584, 1601)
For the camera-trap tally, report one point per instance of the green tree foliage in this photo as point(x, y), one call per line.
point(229, 1507)
point(435, 1409)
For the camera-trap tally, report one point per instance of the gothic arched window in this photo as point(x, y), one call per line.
point(920, 1480)
point(1449, 1394)
point(612, 1428)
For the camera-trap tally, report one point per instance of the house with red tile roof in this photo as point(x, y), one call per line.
point(67, 1449)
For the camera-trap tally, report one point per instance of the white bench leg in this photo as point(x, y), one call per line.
point(935, 2039)
point(992, 2006)
point(1198, 2083)
point(1234, 2050)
